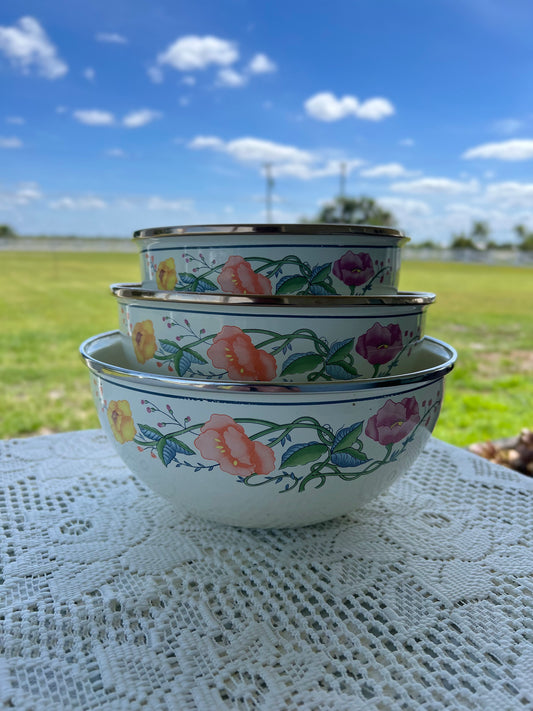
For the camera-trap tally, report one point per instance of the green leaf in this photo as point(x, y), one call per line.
point(321, 274)
point(342, 371)
point(348, 458)
point(321, 288)
point(291, 285)
point(184, 358)
point(195, 355)
point(347, 437)
point(168, 447)
point(301, 363)
point(340, 350)
point(168, 346)
point(181, 447)
point(300, 454)
point(150, 432)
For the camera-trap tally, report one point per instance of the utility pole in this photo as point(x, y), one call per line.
point(342, 181)
point(269, 189)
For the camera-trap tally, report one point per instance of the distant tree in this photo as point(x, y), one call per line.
point(358, 211)
point(461, 241)
point(498, 245)
point(525, 238)
point(479, 233)
point(426, 244)
point(7, 231)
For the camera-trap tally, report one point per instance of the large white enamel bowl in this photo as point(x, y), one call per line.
point(316, 259)
point(270, 338)
point(266, 455)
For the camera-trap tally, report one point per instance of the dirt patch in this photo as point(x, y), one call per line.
point(492, 365)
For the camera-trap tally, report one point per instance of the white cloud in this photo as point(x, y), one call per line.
point(254, 150)
point(78, 203)
point(375, 109)
point(407, 142)
point(16, 120)
point(136, 119)
point(305, 171)
point(61, 109)
point(191, 52)
point(207, 142)
point(510, 194)
point(387, 170)
point(111, 38)
point(436, 186)
point(159, 203)
point(94, 117)
point(326, 106)
point(257, 150)
point(231, 78)
point(116, 153)
point(25, 194)
point(10, 142)
point(288, 161)
point(404, 209)
point(89, 74)
point(514, 149)
point(155, 74)
point(189, 80)
point(261, 64)
point(28, 47)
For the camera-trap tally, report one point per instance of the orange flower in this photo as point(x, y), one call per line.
point(166, 275)
point(223, 440)
point(121, 421)
point(143, 339)
point(234, 351)
point(238, 277)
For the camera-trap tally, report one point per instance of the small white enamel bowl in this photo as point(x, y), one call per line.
point(316, 259)
point(266, 455)
point(269, 338)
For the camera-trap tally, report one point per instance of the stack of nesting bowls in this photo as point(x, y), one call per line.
point(268, 375)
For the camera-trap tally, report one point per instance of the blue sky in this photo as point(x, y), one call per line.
point(120, 115)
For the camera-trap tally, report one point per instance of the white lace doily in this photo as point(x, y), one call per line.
point(109, 600)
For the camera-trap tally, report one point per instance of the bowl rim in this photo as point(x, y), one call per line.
point(89, 349)
point(250, 228)
point(139, 292)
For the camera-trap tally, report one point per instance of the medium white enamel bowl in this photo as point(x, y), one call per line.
point(316, 259)
point(269, 338)
point(266, 455)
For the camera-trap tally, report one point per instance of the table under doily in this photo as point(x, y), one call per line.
point(112, 600)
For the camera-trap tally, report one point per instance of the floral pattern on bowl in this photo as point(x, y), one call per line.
point(352, 272)
point(265, 354)
point(242, 453)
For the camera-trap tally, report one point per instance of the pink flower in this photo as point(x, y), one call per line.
point(393, 421)
point(233, 350)
point(380, 344)
point(223, 440)
point(238, 277)
point(354, 269)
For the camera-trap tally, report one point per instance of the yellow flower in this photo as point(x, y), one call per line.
point(166, 275)
point(143, 339)
point(121, 421)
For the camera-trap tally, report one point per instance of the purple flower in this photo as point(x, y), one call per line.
point(393, 421)
point(354, 269)
point(380, 344)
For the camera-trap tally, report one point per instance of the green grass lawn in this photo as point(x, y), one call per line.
point(52, 301)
